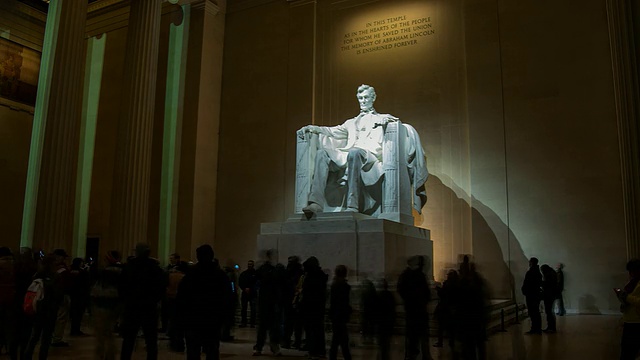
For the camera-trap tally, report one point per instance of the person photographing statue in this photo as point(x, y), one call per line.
point(355, 149)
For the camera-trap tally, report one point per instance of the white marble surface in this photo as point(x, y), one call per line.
point(366, 245)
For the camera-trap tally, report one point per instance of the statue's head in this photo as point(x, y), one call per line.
point(366, 97)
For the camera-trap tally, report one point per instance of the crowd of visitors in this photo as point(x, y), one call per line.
point(462, 312)
point(195, 304)
point(40, 293)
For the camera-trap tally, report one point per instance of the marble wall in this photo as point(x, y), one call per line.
point(514, 105)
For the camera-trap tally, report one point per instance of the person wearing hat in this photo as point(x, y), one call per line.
point(64, 285)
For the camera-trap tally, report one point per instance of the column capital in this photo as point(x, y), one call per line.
point(210, 6)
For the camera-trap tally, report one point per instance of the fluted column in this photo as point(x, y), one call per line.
point(130, 199)
point(197, 191)
point(625, 86)
point(49, 199)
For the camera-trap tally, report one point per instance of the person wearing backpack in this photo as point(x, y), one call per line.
point(142, 287)
point(25, 268)
point(106, 306)
point(45, 308)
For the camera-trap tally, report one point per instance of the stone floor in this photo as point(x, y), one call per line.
point(580, 337)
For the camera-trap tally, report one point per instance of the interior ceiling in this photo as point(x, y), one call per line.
point(43, 5)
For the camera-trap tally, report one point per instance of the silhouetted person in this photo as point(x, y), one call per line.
point(367, 309)
point(472, 314)
point(270, 280)
point(444, 309)
point(143, 285)
point(25, 268)
point(106, 304)
point(339, 313)
point(415, 293)
point(312, 306)
point(44, 320)
point(560, 274)
point(167, 306)
point(531, 289)
point(202, 300)
point(385, 320)
point(7, 299)
point(247, 283)
point(549, 295)
point(230, 313)
point(64, 284)
point(629, 297)
point(292, 320)
point(79, 294)
point(175, 328)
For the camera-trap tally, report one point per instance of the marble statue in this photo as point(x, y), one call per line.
point(367, 150)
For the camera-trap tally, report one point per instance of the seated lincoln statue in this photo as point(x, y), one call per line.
point(357, 156)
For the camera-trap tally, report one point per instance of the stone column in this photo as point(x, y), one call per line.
point(130, 199)
point(196, 220)
point(625, 86)
point(50, 192)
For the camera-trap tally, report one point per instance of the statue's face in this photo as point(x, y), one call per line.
point(366, 99)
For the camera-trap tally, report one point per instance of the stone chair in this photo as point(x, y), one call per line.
point(391, 198)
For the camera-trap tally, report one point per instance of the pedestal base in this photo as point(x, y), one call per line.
point(369, 247)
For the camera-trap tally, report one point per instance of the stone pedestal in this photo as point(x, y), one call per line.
point(368, 246)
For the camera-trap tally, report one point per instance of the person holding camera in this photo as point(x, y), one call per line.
point(629, 297)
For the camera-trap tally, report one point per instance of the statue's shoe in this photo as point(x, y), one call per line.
point(350, 209)
point(312, 208)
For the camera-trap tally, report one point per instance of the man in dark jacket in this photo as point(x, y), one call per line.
point(270, 280)
point(202, 299)
point(143, 285)
point(415, 293)
point(247, 284)
point(531, 289)
point(312, 304)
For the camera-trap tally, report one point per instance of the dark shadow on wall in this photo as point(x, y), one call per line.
point(501, 261)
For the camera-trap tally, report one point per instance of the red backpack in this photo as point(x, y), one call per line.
point(35, 294)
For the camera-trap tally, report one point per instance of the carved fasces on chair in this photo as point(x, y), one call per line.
point(306, 148)
point(396, 188)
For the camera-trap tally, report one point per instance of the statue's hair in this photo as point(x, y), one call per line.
point(362, 88)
